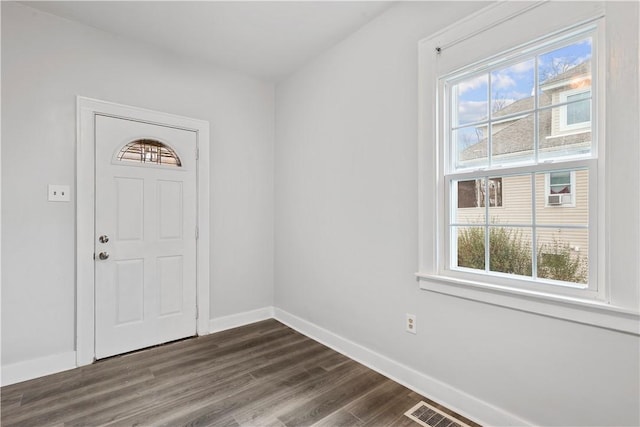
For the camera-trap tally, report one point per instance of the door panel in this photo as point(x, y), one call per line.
point(146, 206)
point(129, 302)
point(170, 209)
point(170, 269)
point(130, 208)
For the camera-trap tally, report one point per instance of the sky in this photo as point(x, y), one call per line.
point(514, 82)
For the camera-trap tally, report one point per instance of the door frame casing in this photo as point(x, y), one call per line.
point(87, 109)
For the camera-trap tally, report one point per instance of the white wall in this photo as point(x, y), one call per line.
point(46, 62)
point(347, 242)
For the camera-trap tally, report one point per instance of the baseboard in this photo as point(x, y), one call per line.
point(240, 319)
point(454, 399)
point(34, 368)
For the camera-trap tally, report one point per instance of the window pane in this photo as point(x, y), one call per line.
point(513, 197)
point(562, 198)
point(557, 139)
point(512, 140)
point(470, 146)
point(510, 250)
point(564, 69)
point(469, 100)
point(563, 254)
point(512, 89)
point(560, 178)
point(469, 201)
point(470, 247)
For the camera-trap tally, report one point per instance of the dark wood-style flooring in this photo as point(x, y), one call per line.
point(263, 374)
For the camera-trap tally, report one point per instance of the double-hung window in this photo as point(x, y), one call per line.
point(517, 208)
point(506, 126)
point(518, 169)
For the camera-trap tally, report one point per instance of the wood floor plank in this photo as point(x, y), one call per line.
point(394, 411)
point(158, 404)
point(201, 396)
point(154, 406)
point(376, 401)
point(297, 391)
point(96, 389)
point(340, 418)
point(332, 400)
point(403, 422)
point(227, 355)
point(93, 375)
point(262, 387)
point(10, 400)
point(264, 374)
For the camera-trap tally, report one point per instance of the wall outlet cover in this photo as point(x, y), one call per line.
point(59, 193)
point(410, 323)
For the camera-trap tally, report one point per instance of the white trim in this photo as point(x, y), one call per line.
point(35, 368)
point(240, 319)
point(454, 399)
point(588, 312)
point(85, 215)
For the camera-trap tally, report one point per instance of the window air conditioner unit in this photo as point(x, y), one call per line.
point(555, 199)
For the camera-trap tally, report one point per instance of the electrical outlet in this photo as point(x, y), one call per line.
point(59, 193)
point(410, 323)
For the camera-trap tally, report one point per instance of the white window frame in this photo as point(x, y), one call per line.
point(564, 127)
point(547, 191)
point(451, 173)
point(610, 307)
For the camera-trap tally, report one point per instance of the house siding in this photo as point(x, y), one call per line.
point(516, 209)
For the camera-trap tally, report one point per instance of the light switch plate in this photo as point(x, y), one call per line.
point(59, 193)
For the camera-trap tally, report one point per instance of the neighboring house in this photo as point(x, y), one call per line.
point(561, 197)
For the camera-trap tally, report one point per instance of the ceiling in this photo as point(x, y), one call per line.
point(265, 39)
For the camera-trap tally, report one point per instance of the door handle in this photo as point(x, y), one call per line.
point(103, 255)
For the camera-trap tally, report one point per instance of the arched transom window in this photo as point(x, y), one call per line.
point(149, 151)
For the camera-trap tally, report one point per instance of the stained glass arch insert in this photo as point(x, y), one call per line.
point(149, 151)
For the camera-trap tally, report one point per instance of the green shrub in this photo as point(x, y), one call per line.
point(510, 253)
point(557, 261)
point(471, 248)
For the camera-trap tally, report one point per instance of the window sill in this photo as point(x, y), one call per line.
point(594, 313)
point(568, 131)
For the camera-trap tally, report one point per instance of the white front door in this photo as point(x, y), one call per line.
point(145, 235)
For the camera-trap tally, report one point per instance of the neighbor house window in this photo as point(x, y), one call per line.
point(560, 188)
point(472, 193)
point(576, 114)
point(508, 158)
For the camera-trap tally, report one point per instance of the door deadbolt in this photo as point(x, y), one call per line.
point(103, 255)
point(103, 239)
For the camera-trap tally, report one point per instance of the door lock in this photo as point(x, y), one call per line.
point(103, 239)
point(103, 255)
